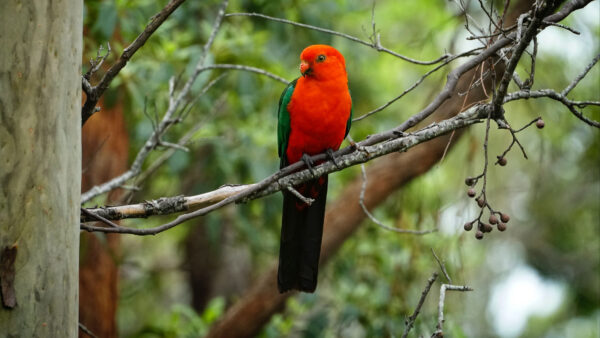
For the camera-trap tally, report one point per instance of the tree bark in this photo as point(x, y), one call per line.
point(40, 150)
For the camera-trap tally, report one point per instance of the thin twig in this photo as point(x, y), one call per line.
point(439, 332)
point(579, 77)
point(414, 85)
point(86, 330)
point(247, 69)
point(574, 31)
point(373, 44)
point(306, 200)
point(442, 266)
point(410, 321)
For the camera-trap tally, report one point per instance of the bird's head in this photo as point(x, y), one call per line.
point(322, 62)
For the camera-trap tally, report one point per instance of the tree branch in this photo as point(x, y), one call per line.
point(96, 92)
point(453, 76)
point(282, 179)
point(375, 146)
point(439, 332)
point(375, 44)
point(410, 321)
point(167, 121)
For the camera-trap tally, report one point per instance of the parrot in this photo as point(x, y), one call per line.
point(314, 116)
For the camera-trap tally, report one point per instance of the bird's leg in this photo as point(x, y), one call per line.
point(329, 153)
point(308, 162)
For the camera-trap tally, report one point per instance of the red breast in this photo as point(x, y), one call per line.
point(320, 105)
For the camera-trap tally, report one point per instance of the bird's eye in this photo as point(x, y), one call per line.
point(321, 58)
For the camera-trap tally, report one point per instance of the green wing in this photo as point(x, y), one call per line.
point(283, 124)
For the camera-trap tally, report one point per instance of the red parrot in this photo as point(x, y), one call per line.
point(315, 113)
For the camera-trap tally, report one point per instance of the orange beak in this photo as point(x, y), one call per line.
point(304, 68)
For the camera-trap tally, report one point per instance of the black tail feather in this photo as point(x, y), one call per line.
point(301, 235)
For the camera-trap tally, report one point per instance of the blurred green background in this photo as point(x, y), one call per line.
point(540, 278)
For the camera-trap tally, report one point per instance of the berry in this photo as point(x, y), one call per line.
point(471, 192)
point(468, 226)
point(504, 218)
point(502, 161)
point(486, 227)
point(501, 226)
point(540, 123)
point(470, 181)
point(479, 234)
point(493, 219)
point(481, 202)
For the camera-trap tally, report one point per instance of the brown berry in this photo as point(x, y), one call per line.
point(502, 161)
point(493, 219)
point(504, 218)
point(468, 226)
point(479, 234)
point(501, 226)
point(471, 192)
point(540, 123)
point(486, 227)
point(469, 181)
point(481, 202)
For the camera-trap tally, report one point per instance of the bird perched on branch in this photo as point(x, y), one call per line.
point(315, 113)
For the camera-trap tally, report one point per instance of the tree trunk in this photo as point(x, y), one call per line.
point(40, 150)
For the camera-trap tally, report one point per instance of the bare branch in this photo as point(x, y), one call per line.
point(414, 85)
point(166, 122)
point(306, 200)
point(95, 64)
point(410, 321)
point(552, 94)
point(247, 69)
point(373, 44)
point(454, 75)
point(374, 146)
point(288, 176)
point(579, 77)
point(92, 98)
point(439, 332)
point(87, 331)
point(442, 266)
point(514, 60)
point(561, 26)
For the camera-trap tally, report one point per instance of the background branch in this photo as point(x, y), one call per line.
point(93, 94)
point(373, 44)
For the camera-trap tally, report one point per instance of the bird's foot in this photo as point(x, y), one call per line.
point(332, 157)
point(308, 162)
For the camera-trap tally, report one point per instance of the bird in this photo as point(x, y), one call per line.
point(314, 116)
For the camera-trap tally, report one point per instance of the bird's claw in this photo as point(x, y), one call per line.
point(332, 157)
point(308, 162)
